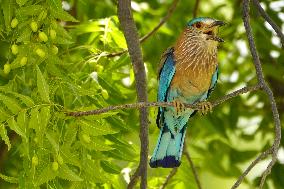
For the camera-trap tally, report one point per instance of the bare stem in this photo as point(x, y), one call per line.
point(134, 179)
point(170, 175)
point(194, 171)
point(162, 104)
point(249, 168)
point(163, 20)
point(270, 21)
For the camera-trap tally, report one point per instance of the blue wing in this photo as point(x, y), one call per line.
point(213, 81)
point(166, 73)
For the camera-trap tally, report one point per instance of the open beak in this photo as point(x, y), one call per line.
point(217, 23)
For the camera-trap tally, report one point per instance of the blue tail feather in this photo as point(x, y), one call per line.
point(168, 151)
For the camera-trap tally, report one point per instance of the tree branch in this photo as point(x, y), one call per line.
point(145, 37)
point(195, 9)
point(134, 178)
point(261, 81)
point(194, 171)
point(170, 175)
point(162, 104)
point(131, 35)
point(270, 21)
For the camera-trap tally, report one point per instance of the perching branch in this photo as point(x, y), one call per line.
point(270, 21)
point(261, 81)
point(194, 171)
point(131, 36)
point(154, 30)
point(162, 104)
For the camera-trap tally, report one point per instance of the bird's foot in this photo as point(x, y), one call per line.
point(179, 107)
point(205, 107)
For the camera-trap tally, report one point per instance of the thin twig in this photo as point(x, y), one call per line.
point(261, 81)
point(134, 179)
point(195, 9)
point(163, 20)
point(162, 104)
point(116, 53)
point(131, 36)
point(145, 37)
point(194, 171)
point(270, 21)
point(170, 175)
point(252, 164)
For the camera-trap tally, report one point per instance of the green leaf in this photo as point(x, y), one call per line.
point(10, 103)
point(46, 175)
point(96, 127)
point(15, 127)
point(25, 99)
point(63, 41)
point(71, 157)
point(35, 119)
point(70, 135)
point(21, 2)
point(42, 86)
point(98, 175)
point(44, 117)
point(53, 141)
point(3, 114)
point(25, 35)
point(66, 173)
point(110, 167)
point(30, 10)
point(7, 12)
point(22, 121)
point(4, 136)
point(56, 4)
point(62, 15)
point(94, 144)
point(9, 179)
point(60, 31)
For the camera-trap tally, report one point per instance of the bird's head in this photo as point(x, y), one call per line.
point(207, 28)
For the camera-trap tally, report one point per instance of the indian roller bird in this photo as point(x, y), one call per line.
point(188, 73)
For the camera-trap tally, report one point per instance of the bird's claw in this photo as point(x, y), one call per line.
point(179, 107)
point(205, 107)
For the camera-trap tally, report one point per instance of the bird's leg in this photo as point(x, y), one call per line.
point(205, 107)
point(179, 107)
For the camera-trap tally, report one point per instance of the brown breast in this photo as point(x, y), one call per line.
point(195, 65)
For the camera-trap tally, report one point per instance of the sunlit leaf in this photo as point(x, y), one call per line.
point(42, 86)
point(8, 179)
point(46, 175)
point(4, 136)
point(96, 128)
point(10, 103)
point(66, 173)
point(16, 127)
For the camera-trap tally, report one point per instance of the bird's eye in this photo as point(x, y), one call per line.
point(198, 25)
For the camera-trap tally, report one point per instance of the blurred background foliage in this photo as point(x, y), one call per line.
point(62, 64)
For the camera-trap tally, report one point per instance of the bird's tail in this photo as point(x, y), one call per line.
point(169, 148)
